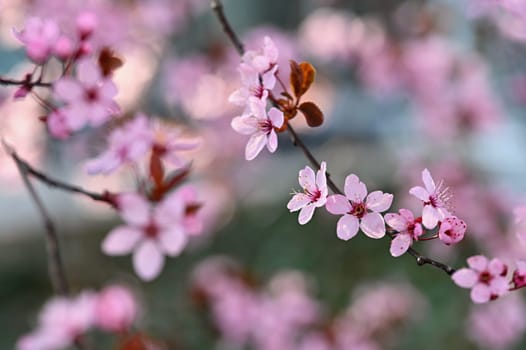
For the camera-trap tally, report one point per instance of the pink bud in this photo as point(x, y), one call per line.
point(63, 48)
point(116, 309)
point(21, 92)
point(86, 23)
point(452, 230)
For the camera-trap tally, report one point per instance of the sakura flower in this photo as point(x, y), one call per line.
point(88, 98)
point(408, 228)
point(359, 211)
point(314, 193)
point(519, 275)
point(251, 87)
point(39, 36)
point(264, 62)
point(169, 143)
point(192, 221)
point(115, 309)
point(61, 322)
point(150, 233)
point(126, 144)
point(435, 200)
point(261, 126)
point(451, 230)
point(486, 278)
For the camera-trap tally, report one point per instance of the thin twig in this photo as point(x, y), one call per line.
point(30, 84)
point(217, 6)
point(55, 264)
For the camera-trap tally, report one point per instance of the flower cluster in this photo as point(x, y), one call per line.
point(63, 321)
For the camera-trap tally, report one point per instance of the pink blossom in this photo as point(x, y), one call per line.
point(115, 309)
point(126, 144)
point(39, 36)
point(264, 62)
point(150, 233)
point(435, 200)
point(487, 279)
point(519, 275)
point(58, 125)
point(189, 197)
point(88, 98)
point(86, 23)
point(261, 126)
point(61, 322)
point(168, 144)
point(408, 228)
point(314, 193)
point(451, 230)
point(359, 211)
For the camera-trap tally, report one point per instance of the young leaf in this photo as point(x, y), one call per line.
point(312, 113)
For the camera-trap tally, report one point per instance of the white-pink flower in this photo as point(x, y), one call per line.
point(451, 230)
point(150, 232)
point(115, 309)
point(435, 200)
point(192, 221)
point(408, 229)
point(359, 211)
point(168, 144)
point(88, 98)
point(39, 37)
point(486, 278)
point(314, 193)
point(125, 144)
point(261, 126)
point(264, 62)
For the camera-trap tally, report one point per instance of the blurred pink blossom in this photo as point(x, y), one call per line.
point(39, 37)
point(115, 309)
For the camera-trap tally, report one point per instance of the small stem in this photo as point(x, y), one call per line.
point(217, 7)
point(12, 82)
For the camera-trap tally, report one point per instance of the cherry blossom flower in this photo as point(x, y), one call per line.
point(168, 143)
point(486, 278)
point(126, 144)
point(149, 232)
point(61, 322)
point(314, 193)
point(435, 200)
point(88, 98)
point(408, 228)
point(115, 309)
point(359, 211)
point(451, 230)
point(519, 275)
point(39, 37)
point(251, 87)
point(189, 197)
point(264, 62)
point(261, 126)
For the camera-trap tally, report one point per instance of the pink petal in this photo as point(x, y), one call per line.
point(465, 278)
point(347, 227)
point(244, 125)
point(307, 179)
point(255, 145)
point(272, 143)
point(103, 164)
point(378, 201)
point(121, 240)
point(400, 244)
point(306, 214)
point(430, 217)
point(428, 181)
point(499, 286)
point(372, 224)
point(298, 201)
point(276, 117)
point(321, 178)
point(338, 204)
point(239, 97)
point(258, 108)
point(148, 260)
point(420, 193)
point(108, 90)
point(478, 263)
point(68, 90)
point(398, 222)
point(173, 241)
point(88, 73)
point(134, 208)
point(480, 293)
point(407, 214)
point(496, 267)
point(355, 190)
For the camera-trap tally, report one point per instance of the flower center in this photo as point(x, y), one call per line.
point(358, 209)
point(257, 91)
point(92, 94)
point(485, 277)
point(151, 230)
point(265, 126)
point(313, 196)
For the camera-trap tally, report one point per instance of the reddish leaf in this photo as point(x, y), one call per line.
point(301, 77)
point(108, 61)
point(295, 78)
point(312, 113)
point(156, 169)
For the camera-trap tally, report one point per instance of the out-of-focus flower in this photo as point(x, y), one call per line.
point(88, 98)
point(39, 37)
point(486, 278)
point(359, 211)
point(519, 275)
point(435, 200)
point(408, 228)
point(115, 309)
point(192, 217)
point(261, 126)
point(314, 193)
point(149, 232)
point(168, 144)
point(451, 230)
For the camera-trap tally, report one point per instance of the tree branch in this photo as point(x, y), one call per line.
point(421, 260)
point(30, 84)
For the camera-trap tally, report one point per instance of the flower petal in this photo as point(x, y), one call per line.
point(276, 117)
point(321, 177)
point(133, 208)
point(373, 225)
point(148, 260)
point(244, 125)
point(306, 214)
point(68, 89)
point(480, 293)
point(338, 204)
point(465, 278)
point(298, 201)
point(378, 201)
point(307, 179)
point(347, 227)
point(430, 217)
point(355, 190)
point(497, 267)
point(398, 222)
point(255, 145)
point(272, 143)
point(478, 263)
point(420, 193)
point(428, 181)
point(173, 241)
point(121, 240)
point(400, 244)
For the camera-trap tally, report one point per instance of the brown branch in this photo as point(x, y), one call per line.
point(217, 6)
point(55, 264)
point(24, 82)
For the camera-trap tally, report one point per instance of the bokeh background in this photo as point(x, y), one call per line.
point(404, 85)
